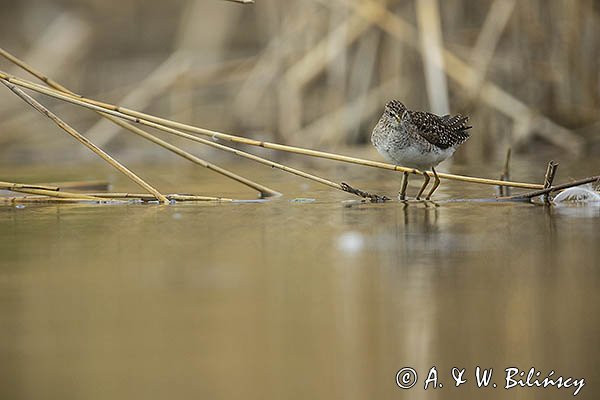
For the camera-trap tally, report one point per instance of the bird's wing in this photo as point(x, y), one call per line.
point(442, 132)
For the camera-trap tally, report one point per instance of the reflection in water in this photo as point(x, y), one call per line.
point(322, 299)
point(591, 210)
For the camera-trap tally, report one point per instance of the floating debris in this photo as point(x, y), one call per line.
point(250, 201)
point(303, 200)
point(579, 194)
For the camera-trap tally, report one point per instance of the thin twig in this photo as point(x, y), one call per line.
point(242, 1)
point(374, 198)
point(83, 140)
point(530, 195)
point(264, 191)
point(167, 125)
point(505, 190)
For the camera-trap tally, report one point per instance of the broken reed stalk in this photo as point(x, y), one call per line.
point(272, 164)
point(549, 178)
point(11, 186)
point(263, 190)
point(530, 195)
point(50, 192)
point(42, 200)
point(83, 140)
point(58, 193)
point(146, 197)
point(168, 125)
point(505, 191)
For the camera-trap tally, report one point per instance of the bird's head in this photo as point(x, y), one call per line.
point(395, 109)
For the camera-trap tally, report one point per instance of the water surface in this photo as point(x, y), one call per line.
point(294, 299)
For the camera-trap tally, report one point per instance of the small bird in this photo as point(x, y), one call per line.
point(417, 139)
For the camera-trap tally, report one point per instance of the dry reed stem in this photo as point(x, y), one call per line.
point(241, 1)
point(316, 60)
point(192, 197)
point(83, 140)
point(36, 200)
point(34, 189)
point(505, 191)
point(42, 200)
point(264, 191)
point(57, 46)
point(353, 113)
point(482, 53)
point(465, 75)
point(269, 62)
point(168, 125)
point(530, 195)
point(309, 66)
point(222, 72)
point(154, 85)
point(4, 185)
point(145, 197)
point(362, 73)
point(430, 40)
point(549, 178)
point(79, 101)
point(43, 196)
point(550, 173)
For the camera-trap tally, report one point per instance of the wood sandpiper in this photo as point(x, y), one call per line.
point(417, 139)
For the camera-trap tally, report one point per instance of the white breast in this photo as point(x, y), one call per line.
point(414, 157)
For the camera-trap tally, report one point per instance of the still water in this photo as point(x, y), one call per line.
point(296, 299)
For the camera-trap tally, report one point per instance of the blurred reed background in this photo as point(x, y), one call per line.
point(314, 73)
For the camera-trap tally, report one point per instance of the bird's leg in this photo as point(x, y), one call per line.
point(436, 183)
point(402, 192)
point(424, 185)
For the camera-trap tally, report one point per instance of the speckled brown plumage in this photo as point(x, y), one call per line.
point(418, 139)
point(442, 132)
